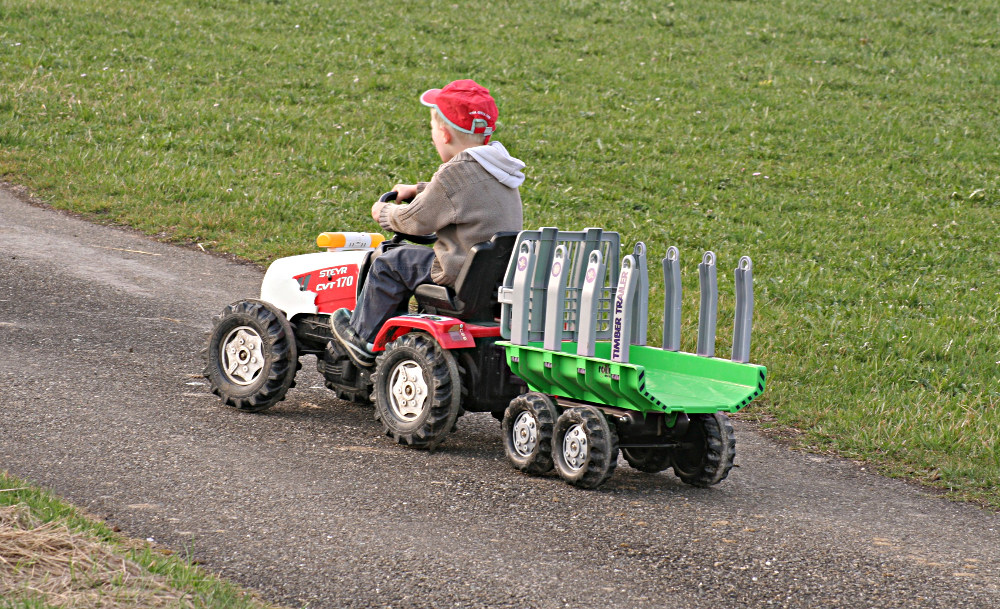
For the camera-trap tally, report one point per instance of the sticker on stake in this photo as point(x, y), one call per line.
point(593, 283)
point(555, 301)
point(621, 330)
point(522, 293)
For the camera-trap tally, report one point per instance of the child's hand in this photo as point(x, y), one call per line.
point(405, 192)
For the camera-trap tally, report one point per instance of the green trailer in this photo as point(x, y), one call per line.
point(574, 319)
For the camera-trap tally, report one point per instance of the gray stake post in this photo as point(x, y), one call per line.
point(521, 293)
point(544, 250)
point(591, 241)
point(744, 310)
point(621, 328)
point(555, 301)
point(640, 305)
point(672, 300)
point(593, 284)
point(709, 305)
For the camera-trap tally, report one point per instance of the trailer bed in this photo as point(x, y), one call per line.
point(654, 380)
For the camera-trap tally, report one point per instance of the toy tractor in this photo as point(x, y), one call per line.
point(544, 329)
point(432, 365)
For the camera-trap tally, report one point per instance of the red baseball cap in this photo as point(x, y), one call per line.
point(465, 105)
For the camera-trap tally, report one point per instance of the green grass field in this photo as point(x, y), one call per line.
point(852, 149)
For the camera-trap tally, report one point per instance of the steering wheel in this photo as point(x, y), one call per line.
point(400, 237)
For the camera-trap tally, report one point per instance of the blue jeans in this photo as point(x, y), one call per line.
point(392, 278)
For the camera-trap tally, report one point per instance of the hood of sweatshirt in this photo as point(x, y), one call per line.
point(495, 159)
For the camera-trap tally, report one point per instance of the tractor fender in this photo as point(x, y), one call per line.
point(449, 332)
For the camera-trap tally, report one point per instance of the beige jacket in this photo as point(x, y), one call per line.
point(464, 203)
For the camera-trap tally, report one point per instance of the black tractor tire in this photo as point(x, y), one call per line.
point(417, 390)
point(342, 376)
point(251, 357)
point(707, 450)
point(527, 432)
point(584, 447)
point(649, 460)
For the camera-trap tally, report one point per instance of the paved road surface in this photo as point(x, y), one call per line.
point(101, 401)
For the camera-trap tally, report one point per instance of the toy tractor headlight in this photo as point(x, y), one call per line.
point(336, 242)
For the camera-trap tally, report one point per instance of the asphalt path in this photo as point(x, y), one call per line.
point(102, 401)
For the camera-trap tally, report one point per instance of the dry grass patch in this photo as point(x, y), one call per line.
point(48, 562)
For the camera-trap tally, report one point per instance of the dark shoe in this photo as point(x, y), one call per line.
point(356, 347)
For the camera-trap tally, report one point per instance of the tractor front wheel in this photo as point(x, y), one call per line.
point(417, 390)
point(252, 357)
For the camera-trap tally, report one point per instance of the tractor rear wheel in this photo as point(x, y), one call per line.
point(416, 390)
point(527, 432)
point(252, 357)
point(584, 447)
point(706, 451)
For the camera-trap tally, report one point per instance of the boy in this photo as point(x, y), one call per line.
point(472, 195)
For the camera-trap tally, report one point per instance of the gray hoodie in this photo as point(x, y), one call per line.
point(495, 159)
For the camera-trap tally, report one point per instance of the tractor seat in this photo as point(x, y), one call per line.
point(474, 297)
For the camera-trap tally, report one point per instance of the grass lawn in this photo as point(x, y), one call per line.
point(852, 149)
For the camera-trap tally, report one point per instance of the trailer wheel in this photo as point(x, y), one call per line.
point(584, 447)
point(417, 390)
point(252, 357)
point(527, 432)
point(648, 460)
point(707, 450)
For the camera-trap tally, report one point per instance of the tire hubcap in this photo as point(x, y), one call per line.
point(408, 390)
point(242, 356)
point(575, 447)
point(525, 434)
